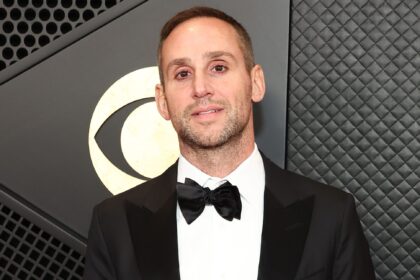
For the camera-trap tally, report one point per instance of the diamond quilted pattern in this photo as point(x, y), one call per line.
point(354, 116)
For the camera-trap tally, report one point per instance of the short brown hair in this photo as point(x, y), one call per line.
point(200, 11)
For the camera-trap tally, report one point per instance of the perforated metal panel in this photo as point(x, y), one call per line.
point(27, 25)
point(354, 116)
point(28, 252)
point(33, 246)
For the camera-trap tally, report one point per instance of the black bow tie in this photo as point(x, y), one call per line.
point(192, 199)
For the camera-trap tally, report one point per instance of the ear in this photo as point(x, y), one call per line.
point(161, 103)
point(258, 83)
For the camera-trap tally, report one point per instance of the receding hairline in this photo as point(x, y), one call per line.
point(244, 40)
point(211, 54)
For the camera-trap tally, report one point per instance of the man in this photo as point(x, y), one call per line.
point(223, 211)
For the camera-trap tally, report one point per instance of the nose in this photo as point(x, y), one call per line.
point(201, 86)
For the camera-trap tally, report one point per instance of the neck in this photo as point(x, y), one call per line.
point(219, 161)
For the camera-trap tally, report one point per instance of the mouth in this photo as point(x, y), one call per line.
point(206, 111)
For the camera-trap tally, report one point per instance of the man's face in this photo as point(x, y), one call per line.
point(207, 91)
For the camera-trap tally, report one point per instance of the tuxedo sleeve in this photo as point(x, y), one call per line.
point(352, 257)
point(98, 262)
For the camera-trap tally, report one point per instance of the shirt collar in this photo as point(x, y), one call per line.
point(249, 176)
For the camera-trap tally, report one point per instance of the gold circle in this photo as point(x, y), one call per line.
point(145, 125)
point(148, 154)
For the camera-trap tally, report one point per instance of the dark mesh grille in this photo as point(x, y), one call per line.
point(27, 25)
point(28, 252)
point(354, 116)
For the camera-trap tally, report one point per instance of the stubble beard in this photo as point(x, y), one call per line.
point(231, 130)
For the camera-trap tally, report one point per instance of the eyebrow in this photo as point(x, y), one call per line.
point(209, 55)
point(178, 62)
point(217, 54)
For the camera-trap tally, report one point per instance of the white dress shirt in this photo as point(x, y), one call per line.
point(212, 247)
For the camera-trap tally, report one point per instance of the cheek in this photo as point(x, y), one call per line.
point(171, 107)
point(175, 107)
point(176, 95)
point(244, 103)
point(243, 97)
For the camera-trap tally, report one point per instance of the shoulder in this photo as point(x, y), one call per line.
point(295, 186)
point(147, 191)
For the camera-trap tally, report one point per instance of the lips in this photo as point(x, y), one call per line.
point(206, 111)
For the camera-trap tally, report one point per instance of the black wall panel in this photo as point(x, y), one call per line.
point(30, 25)
point(34, 245)
point(354, 116)
point(47, 98)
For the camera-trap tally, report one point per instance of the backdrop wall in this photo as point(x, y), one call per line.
point(342, 108)
point(48, 98)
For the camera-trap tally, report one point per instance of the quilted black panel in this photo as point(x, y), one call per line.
point(354, 116)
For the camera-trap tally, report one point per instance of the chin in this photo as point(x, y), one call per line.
point(210, 141)
point(204, 143)
point(212, 137)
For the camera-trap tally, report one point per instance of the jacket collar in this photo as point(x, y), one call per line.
point(287, 216)
point(151, 216)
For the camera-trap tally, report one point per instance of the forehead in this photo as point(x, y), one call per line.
point(198, 35)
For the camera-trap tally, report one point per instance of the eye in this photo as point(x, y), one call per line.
point(219, 68)
point(182, 75)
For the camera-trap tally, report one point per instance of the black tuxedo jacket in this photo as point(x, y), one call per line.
point(310, 231)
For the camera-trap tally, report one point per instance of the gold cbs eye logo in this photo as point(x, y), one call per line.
point(149, 143)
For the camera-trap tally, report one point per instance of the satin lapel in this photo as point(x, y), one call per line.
point(287, 218)
point(153, 229)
